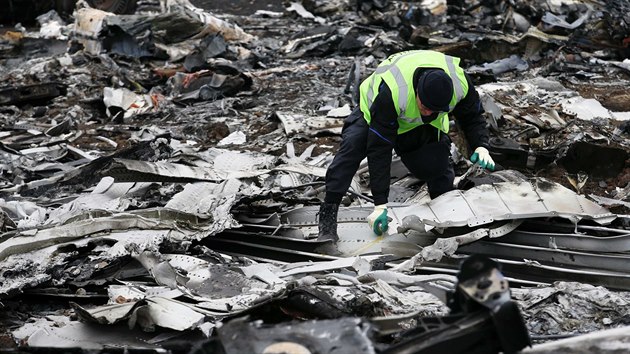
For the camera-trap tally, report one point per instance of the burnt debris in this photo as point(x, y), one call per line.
point(162, 163)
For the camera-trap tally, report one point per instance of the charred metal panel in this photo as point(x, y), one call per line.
point(595, 160)
point(33, 94)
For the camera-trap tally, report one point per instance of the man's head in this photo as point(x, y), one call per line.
point(434, 90)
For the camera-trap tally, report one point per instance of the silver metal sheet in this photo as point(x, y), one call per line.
point(504, 201)
point(615, 340)
point(533, 273)
point(580, 260)
point(448, 246)
point(209, 200)
point(609, 201)
point(301, 124)
point(90, 336)
point(161, 271)
point(228, 160)
point(37, 239)
point(262, 272)
point(169, 313)
point(147, 313)
point(107, 195)
point(323, 266)
point(171, 170)
point(108, 314)
point(230, 305)
point(478, 206)
point(576, 242)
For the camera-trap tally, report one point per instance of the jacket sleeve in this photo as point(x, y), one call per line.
point(468, 114)
point(382, 134)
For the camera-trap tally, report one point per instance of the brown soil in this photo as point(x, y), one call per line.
point(217, 131)
point(322, 144)
point(616, 98)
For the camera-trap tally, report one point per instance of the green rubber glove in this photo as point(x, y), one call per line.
point(378, 219)
point(482, 155)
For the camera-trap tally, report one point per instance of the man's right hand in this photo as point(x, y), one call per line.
point(378, 219)
point(483, 158)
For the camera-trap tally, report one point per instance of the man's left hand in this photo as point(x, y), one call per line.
point(482, 156)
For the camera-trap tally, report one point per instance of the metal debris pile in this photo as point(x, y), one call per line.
point(161, 172)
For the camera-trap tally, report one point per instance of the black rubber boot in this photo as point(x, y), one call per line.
point(328, 222)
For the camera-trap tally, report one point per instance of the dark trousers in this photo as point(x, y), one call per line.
point(426, 157)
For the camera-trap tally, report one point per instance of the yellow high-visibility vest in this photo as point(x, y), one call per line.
point(397, 72)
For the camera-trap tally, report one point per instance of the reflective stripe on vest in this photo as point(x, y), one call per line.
point(404, 88)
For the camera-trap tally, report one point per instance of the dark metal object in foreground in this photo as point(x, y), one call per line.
point(483, 318)
point(33, 94)
point(325, 336)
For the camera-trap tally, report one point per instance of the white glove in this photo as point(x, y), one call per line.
point(482, 155)
point(378, 219)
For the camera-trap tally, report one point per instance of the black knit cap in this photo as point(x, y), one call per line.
point(435, 90)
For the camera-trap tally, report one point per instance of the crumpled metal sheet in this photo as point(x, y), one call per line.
point(131, 292)
point(590, 108)
point(563, 308)
point(300, 268)
point(505, 201)
point(221, 290)
point(160, 269)
point(24, 213)
point(35, 239)
point(209, 200)
point(609, 201)
point(88, 24)
point(480, 205)
point(262, 272)
point(501, 66)
point(230, 32)
point(195, 21)
point(170, 313)
point(138, 171)
point(448, 246)
point(603, 341)
point(89, 336)
point(99, 216)
point(107, 195)
point(551, 93)
point(106, 315)
point(147, 313)
point(203, 279)
point(127, 102)
point(555, 20)
point(135, 170)
point(133, 232)
point(301, 124)
point(231, 160)
point(28, 263)
point(436, 285)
